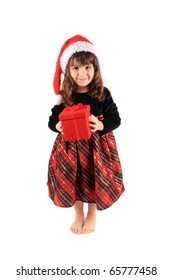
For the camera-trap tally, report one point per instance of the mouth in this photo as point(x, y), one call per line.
point(82, 79)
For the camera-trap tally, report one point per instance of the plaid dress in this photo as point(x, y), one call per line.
point(85, 170)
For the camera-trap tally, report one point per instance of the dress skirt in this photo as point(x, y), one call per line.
point(85, 170)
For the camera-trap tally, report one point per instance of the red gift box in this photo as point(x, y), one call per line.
point(75, 123)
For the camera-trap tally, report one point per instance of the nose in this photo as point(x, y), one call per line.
point(82, 71)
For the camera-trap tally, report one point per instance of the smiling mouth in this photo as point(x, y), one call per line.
point(82, 79)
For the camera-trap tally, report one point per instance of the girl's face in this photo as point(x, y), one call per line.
point(82, 75)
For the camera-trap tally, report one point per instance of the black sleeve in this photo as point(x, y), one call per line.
point(111, 116)
point(54, 118)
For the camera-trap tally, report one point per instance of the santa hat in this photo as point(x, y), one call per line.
point(73, 45)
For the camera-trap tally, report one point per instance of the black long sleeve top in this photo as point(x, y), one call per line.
point(107, 108)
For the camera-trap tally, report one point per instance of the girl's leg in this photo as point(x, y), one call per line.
point(90, 222)
point(76, 227)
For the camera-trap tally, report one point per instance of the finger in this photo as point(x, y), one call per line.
point(60, 129)
point(93, 130)
point(91, 118)
point(92, 125)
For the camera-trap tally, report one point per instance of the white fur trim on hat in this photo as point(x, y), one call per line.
point(73, 48)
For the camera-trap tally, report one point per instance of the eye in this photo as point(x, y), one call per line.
point(88, 67)
point(75, 67)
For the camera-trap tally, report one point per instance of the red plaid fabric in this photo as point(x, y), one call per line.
point(85, 170)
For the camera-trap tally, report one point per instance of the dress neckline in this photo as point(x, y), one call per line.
point(81, 92)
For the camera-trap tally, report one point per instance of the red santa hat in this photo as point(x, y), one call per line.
point(73, 45)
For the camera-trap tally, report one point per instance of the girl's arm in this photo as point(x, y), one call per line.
point(111, 115)
point(53, 119)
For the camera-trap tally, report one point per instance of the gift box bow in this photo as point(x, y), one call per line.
point(75, 111)
point(74, 107)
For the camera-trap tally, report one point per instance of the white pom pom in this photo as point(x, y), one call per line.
point(58, 99)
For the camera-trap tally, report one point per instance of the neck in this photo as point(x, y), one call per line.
point(82, 89)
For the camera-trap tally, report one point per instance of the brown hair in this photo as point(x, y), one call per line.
point(96, 87)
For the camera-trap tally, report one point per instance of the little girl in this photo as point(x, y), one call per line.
point(84, 170)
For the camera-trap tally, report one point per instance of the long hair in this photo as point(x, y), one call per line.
point(96, 87)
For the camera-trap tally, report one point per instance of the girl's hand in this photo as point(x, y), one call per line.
point(59, 126)
point(95, 124)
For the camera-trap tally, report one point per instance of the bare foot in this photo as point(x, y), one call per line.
point(90, 223)
point(77, 225)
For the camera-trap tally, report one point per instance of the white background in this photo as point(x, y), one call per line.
point(135, 43)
